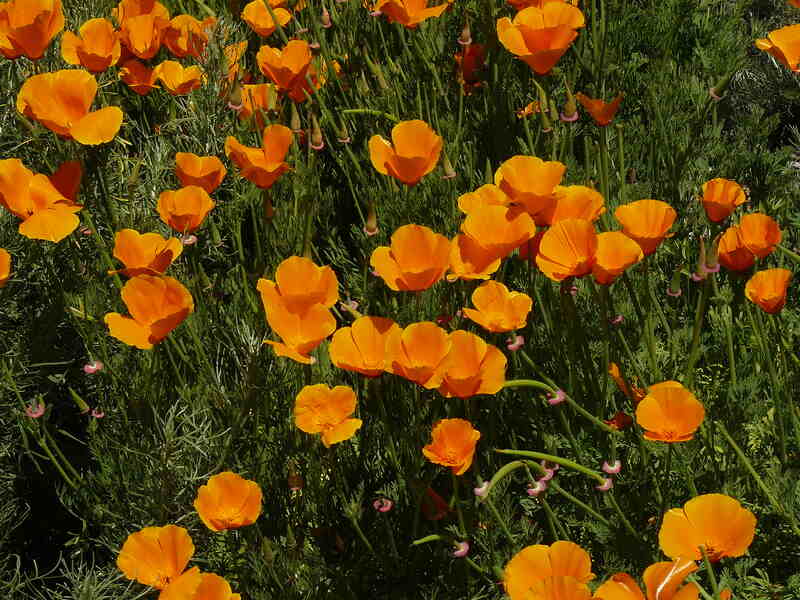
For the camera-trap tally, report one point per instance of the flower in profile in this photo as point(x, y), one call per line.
point(412, 154)
point(731, 251)
point(127, 9)
point(452, 444)
point(418, 352)
point(497, 309)
point(256, 101)
point(633, 393)
point(530, 108)
point(362, 346)
point(663, 581)
point(768, 288)
point(206, 172)
point(760, 234)
point(157, 305)
point(287, 68)
point(534, 564)
point(469, 260)
point(470, 63)
point(187, 36)
point(471, 367)
point(567, 249)
point(784, 45)
point(256, 15)
point(96, 47)
point(143, 24)
point(647, 222)
point(499, 229)
point(615, 253)
point(28, 26)
point(530, 182)
point(409, 13)
point(619, 421)
point(157, 556)
point(228, 501)
point(721, 197)
point(61, 100)
point(138, 76)
point(715, 522)
point(5, 266)
point(262, 166)
point(185, 209)
point(573, 202)
point(320, 409)
point(144, 253)
point(177, 79)
point(416, 259)
point(669, 413)
point(602, 112)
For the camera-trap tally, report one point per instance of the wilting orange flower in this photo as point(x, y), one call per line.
point(5, 266)
point(177, 79)
point(663, 581)
point(471, 367)
point(288, 68)
point(602, 112)
point(498, 309)
point(531, 107)
point(768, 289)
point(302, 284)
point(206, 172)
point(469, 260)
point(573, 202)
point(535, 563)
point(186, 36)
point(256, 15)
point(417, 353)
point(413, 153)
point(541, 36)
point(647, 222)
point(731, 251)
point(567, 249)
point(233, 54)
point(784, 45)
point(228, 501)
point(452, 444)
point(470, 63)
point(257, 100)
point(157, 304)
point(320, 409)
point(408, 12)
point(621, 420)
point(28, 26)
point(760, 234)
point(530, 182)
point(362, 346)
point(144, 253)
point(61, 100)
point(262, 166)
point(721, 197)
point(96, 47)
point(185, 209)
point(669, 413)
point(156, 556)
point(499, 229)
point(714, 521)
point(635, 394)
point(615, 253)
point(138, 76)
point(416, 259)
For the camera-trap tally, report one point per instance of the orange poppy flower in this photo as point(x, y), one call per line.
point(573, 202)
point(731, 251)
point(663, 581)
point(621, 420)
point(568, 249)
point(228, 501)
point(497, 309)
point(61, 100)
point(768, 289)
point(760, 234)
point(634, 394)
point(714, 521)
point(471, 367)
point(186, 36)
point(5, 266)
point(156, 556)
point(157, 304)
point(602, 112)
point(669, 413)
point(417, 353)
point(262, 166)
point(144, 253)
point(212, 587)
point(486, 195)
point(541, 36)
point(536, 563)
point(143, 34)
point(469, 260)
point(521, 4)
point(67, 179)
point(409, 13)
point(257, 100)
point(362, 346)
point(177, 79)
point(138, 76)
point(320, 409)
point(288, 68)
point(233, 54)
point(413, 153)
point(784, 45)
point(721, 197)
point(256, 15)
point(615, 253)
point(470, 63)
point(302, 284)
point(530, 182)
point(499, 229)
point(185, 209)
point(206, 172)
point(530, 249)
point(416, 259)
point(127, 9)
point(646, 222)
point(28, 26)
point(96, 47)
point(530, 108)
point(452, 444)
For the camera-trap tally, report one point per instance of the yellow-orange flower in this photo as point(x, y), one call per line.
point(416, 259)
point(663, 581)
point(715, 522)
point(452, 444)
point(615, 253)
point(530, 182)
point(486, 195)
point(186, 36)
point(287, 68)
point(784, 45)
point(212, 587)
point(177, 79)
point(573, 202)
point(499, 229)
point(721, 197)
point(143, 34)
point(5, 266)
point(228, 501)
point(262, 166)
point(417, 353)
point(362, 346)
point(185, 209)
point(138, 76)
point(469, 260)
point(647, 222)
point(520, 4)
point(127, 9)
point(257, 100)
point(409, 13)
point(96, 47)
point(471, 367)
point(156, 556)
point(760, 234)
point(568, 249)
point(61, 100)
point(412, 154)
point(669, 413)
point(206, 172)
point(157, 305)
point(302, 284)
point(320, 409)
point(256, 15)
point(144, 253)
point(602, 112)
point(731, 251)
point(531, 565)
point(28, 26)
point(497, 309)
point(768, 288)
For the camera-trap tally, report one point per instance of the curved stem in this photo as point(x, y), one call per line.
point(564, 462)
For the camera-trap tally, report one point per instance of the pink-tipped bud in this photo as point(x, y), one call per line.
point(371, 226)
point(537, 488)
point(349, 304)
point(97, 413)
point(465, 39)
point(612, 469)
point(674, 289)
point(35, 409)
point(85, 230)
point(93, 367)
point(515, 343)
point(482, 491)
point(711, 264)
point(548, 475)
point(616, 320)
point(546, 464)
point(605, 486)
point(294, 120)
point(462, 549)
point(556, 397)
point(316, 140)
point(375, 13)
point(326, 18)
point(188, 239)
point(383, 505)
point(565, 118)
point(449, 172)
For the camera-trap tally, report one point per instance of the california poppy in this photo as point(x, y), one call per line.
point(157, 304)
point(228, 501)
point(499, 229)
point(28, 27)
point(721, 197)
point(470, 63)
point(409, 13)
point(669, 413)
point(520, 4)
point(320, 409)
point(573, 202)
point(498, 309)
point(647, 222)
point(256, 15)
point(185, 209)
point(67, 179)
point(206, 172)
point(96, 47)
point(760, 234)
point(412, 154)
point(784, 45)
point(486, 195)
point(731, 251)
point(535, 563)
point(416, 259)
point(768, 288)
point(362, 346)
point(530, 249)
point(615, 253)
point(471, 367)
point(138, 76)
point(61, 100)
point(568, 249)
point(716, 522)
point(287, 68)
point(262, 166)
point(127, 9)
point(530, 182)
point(602, 112)
point(621, 420)
point(156, 556)
point(187, 36)
point(177, 79)
point(663, 581)
point(302, 284)
point(233, 54)
point(5, 266)
point(144, 253)
point(634, 393)
point(452, 444)
point(213, 587)
point(257, 100)
point(417, 353)
point(469, 260)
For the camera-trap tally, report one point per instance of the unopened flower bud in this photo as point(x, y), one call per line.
point(93, 367)
point(607, 484)
point(326, 18)
point(556, 397)
point(462, 549)
point(317, 141)
point(294, 122)
point(612, 469)
point(465, 39)
point(515, 343)
point(674, 289)
point(537, 488)
point(383, 505)
point(449, 172)
point(371, 226)
point(570, 112)
point(712, 256)
point(482, 491)
point(344, 135)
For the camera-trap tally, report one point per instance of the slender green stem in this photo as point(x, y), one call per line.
point(625, 522)
point(711, 575)
point(698, 325)
point(665, 479)
point(500, 520)
point(369, 111)
point(456, 502)
point(553, 485)
point(564, 462)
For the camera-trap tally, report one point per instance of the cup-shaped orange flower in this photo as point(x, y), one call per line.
point(615, 253)
point(768, 288)
point(716, 522)
point(669, 413)
point(143, 35)
point(256, 15)
point(61, 100)
point(177, 79)
point(362, 346)
point(228, 501)
point(5, 266)
point(418, 353)
point(96, 47)
point(416, 259)
point(127, 9)
point(144, 253)
point(157, 305)
point(498, 309)
point(647, 222)
point(206, 172)
point(156, 556)
point(452, 444)
point(731, 251)
point(486, 195)
point(302, 284)
point(287, 68)
point(784, 45)
point(535, 563)
point(530, 182)
point(320, 409)
point(760, 234)
point(185, 209)
point(262, 166)
point(568, 249)
point(28, 26)
point(187, 36)
point(138, 76)
point(469, 260)
point(721, 197)
point(573, 202)
point(412, 153)
point(602, 112)
point(471, 367)
point(663, 581)
point(212, 587)
point(409, 13)
point(499, 229)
